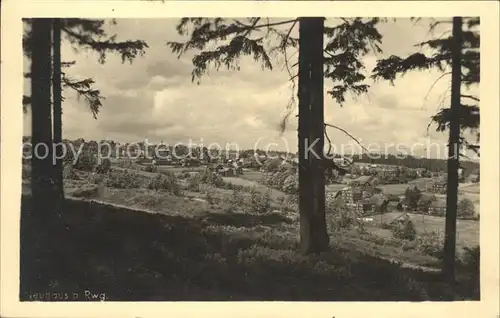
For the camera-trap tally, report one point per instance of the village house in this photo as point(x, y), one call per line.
point(438, 207)
point(357, 207)
point(387, 173)
point(362, 202)
point(364, 182)
point(439, 187)
point(350, 194)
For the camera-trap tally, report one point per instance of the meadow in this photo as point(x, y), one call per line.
point(188, 235)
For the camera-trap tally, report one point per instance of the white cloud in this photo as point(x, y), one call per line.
point(154, 97)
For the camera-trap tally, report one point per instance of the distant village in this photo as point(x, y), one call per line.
point(362, 186)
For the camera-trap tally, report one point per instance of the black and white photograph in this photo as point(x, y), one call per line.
point(315, 158)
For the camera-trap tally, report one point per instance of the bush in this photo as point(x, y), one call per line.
point(237, 198)
point(426, 202)
point(404, 229)
point(469, 266)
point(259, 202)
point(210, 197)
point(123, 180)
point(194, 184)
point(230, 186)
point(412, 196)
point(272, 165)
point(124, 163)
point(466, 208)
point(341, 219)
point(283, 178)
point(165, 182)
point(151, 168)
point(86, 161)
point(209, 177)
point(431, 243)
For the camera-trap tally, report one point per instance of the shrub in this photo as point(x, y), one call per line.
point(426, 202)
point(230, 186)
point(209, 177)
point(151, 168)
point(470, 258)
point(272, 165)
point(95, 178)
point(194, 183)
point(343, 218)
point(87, 160)
point(123, 180)
point(165, 182)
point(469, 265)
point(404, 229)
point(280, 199)
point(466, 208)
point(291, 184)
point(237, 198)
point(431, 243)
point(210, 197)
point(283, 178)
point(259, 202)
point(412, 196)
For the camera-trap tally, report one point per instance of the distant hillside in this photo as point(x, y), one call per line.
point(430, 164)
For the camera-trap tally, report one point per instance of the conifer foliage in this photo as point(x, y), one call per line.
point(82, 34)
point(441, 59)
point(458, 56)
point(220, 43)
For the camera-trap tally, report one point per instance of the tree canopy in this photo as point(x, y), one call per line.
point(86, 35)
point(392, 67)
point(220, 42)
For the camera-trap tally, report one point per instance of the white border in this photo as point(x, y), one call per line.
point(11, 134)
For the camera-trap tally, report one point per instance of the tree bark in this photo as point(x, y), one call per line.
point(453, 156)
point(57, 101)
point(313, 234)
point(41, 119)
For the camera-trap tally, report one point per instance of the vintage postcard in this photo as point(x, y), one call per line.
point(249, 158)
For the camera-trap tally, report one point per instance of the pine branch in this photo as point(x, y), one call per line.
point(84, 89)
point(128, 50)
point(468, 116)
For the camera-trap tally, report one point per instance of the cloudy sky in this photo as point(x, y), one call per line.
point(154, 98)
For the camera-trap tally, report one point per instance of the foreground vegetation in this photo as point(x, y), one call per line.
point(211, 240)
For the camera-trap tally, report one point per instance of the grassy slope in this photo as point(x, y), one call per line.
point(200, 250)
point(136, 256)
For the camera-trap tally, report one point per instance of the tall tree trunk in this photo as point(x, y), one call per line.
point(41, 119)
point(318, 134)
point(37, 214)
point(313, 235)
point(453, 156)
point(57, 101)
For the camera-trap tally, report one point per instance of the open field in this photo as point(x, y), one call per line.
point(467, 230)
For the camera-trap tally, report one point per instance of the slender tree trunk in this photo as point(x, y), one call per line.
point(453, 153)
point(305, 196)
point(313, 235)
point(56, 87)
point(318, 134)
point(41, 119)
point(37, 213)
